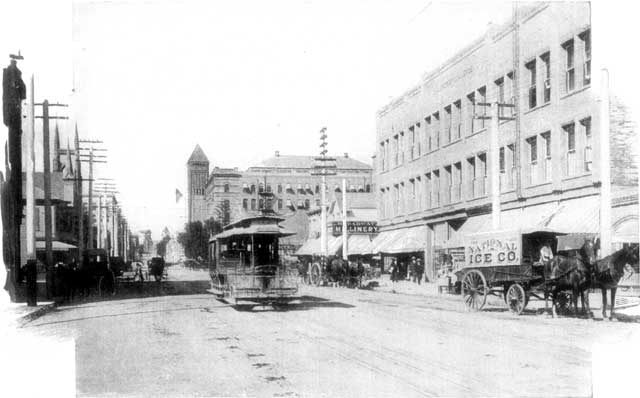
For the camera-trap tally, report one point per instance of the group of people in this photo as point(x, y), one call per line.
point(413, 271)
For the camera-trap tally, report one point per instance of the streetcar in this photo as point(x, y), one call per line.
point(246, 266)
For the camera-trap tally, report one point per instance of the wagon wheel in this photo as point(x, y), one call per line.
point(315, 275)
point(474, 290)
point(563, 302)
point(516, 298)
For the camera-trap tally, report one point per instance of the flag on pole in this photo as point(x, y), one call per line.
point(178, 195)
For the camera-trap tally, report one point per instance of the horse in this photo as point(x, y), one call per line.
point(572, 273)
point(608, 272)
point(336, 270)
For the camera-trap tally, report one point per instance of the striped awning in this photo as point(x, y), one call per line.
point(312, 247)
point(408, 240)
point(358, 244)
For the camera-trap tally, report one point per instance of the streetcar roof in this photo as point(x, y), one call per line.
point(260, 225)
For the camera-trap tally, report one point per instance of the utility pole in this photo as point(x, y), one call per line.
point(516, 99)
point(30, 189)
point(325, 166)
point(345, 249)
point(48, 244)
point(91, 160)
point(605, 168)
point(494, 156)
point(13, 93)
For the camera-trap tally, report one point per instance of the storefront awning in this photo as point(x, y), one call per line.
point(576, 216)
point(57, 246)
point(408, 240)
point(383, 238)
point(312, 247)
point(358, 244)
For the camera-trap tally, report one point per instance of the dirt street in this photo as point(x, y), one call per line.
point(331, 343)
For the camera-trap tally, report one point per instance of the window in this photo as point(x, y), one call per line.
point(586, 66)
point(396, 148)
point(456, 182)
point(471, 112)
point(226, 187)
point(502, 160)
point(412, 197)
point(307, 203)
point(446, 197)
point(436, 129)
point(427, 190)
point(570, 72)
point(511, 94)
point(269, 188)
point(500, 95)
point(253, 204)
point(36, 217)
point(382, 162)
point(447, 124)
point(428, 128)
point(531, 67)
point(253, 188)
point(367, 188)
point(279, 188)
point(318, 202)
point(588, 159)
point(261, 188)
point(546, 151)
point(570, 132)
point(279, 204)
point(288, 188)
point(533, 149)
point(261, 203)
point(418, 140)
point(482, 98)
point(245, 204)
point(402, 205)
point(546, 62)
point(317, 188)
point(412, 143)
point(457, 114)
point(402, 147)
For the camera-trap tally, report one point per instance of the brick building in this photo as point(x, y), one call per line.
point(288, 178)
point(432, 158)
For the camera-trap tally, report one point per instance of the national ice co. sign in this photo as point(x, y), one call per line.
point(493, 249)
point(356, 227)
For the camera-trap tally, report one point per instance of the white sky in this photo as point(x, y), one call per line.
point(241, 78)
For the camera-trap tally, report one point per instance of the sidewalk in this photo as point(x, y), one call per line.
point(17, 314)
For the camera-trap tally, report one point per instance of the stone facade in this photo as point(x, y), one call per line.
point(433, 161)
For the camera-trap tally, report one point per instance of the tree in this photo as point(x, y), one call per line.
point(223, 212)
point(195, 238)
point(161, 247)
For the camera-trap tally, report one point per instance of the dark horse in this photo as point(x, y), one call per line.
point(572, 273)
point(608, 272)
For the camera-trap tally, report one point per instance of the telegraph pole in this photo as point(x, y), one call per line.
point(345, 249)
point(48, 244)
point(30, 189)
point(325, 166)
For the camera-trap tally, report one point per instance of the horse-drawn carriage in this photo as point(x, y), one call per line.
point(322, 271)
point(246, 264)
point(512, 264)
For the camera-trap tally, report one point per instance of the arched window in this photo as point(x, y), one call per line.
point(269, 188)
point(279, 204)
point(306, 203)
point(261, 204)
point(352, 188)
point(253, 188)
point(253, 204)
point(289, 203)
point(245, 187)
point(261, 187)
point(368, 188)
point(279, 188)
point(360, 188)
point(317, 188)
point(288, 188)
point(337, 189)
point(245, 204)
point(299, 187)
point(226, 187)
point(300, 204)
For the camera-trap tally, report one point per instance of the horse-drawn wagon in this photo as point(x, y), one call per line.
point(246, 264)
point(512, 264)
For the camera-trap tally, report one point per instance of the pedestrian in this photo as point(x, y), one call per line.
point(395, 271)
point(412, 269)
point(31, 274)
point(419, 270)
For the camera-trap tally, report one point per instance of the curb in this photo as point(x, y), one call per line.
point(45, 309)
